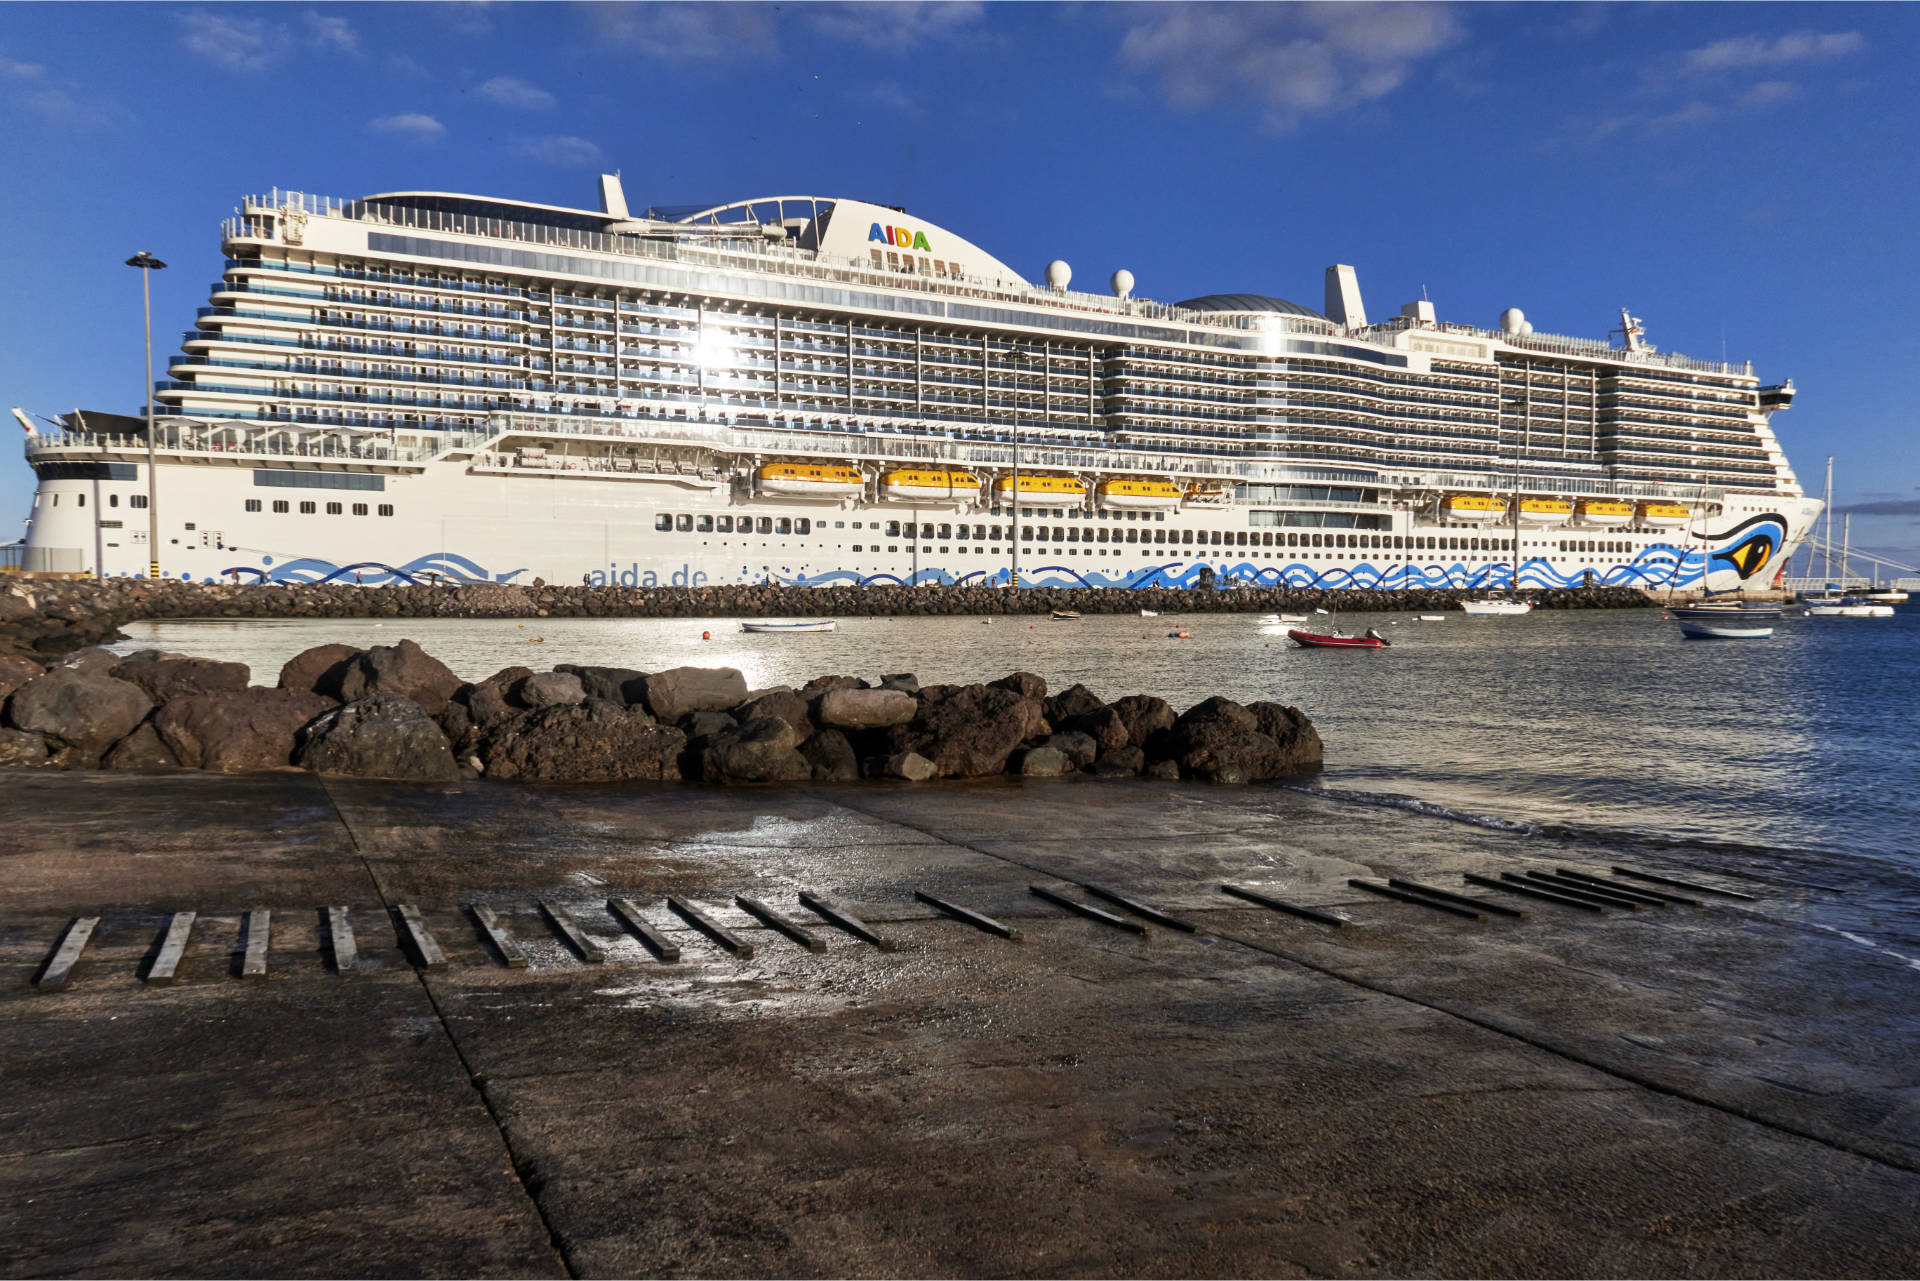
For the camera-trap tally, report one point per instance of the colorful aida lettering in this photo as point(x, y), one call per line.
point(899, 236)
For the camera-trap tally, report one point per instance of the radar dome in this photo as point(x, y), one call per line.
point(1526, 327)
point(1514, 321)
point(1122, 283)
point(1058, 274)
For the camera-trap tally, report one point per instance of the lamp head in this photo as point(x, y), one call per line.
point(146, 262)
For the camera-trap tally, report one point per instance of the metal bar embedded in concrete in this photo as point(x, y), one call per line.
point(1618, 891)
point(1421, 900)
point(1291, 909)
point(836, 912)
point(970, 916)
point(1602, 882)
point(711, 928)
point(346, 955)
point(425, 947)
point(1532, 889)
point(774, 921)
point(1573, 889)
point(1683, 885)
point(1090, 912)
point(509, 950)
point(657, 943)
point(1153, 914)
point(59, 970)
point(173, 949)
point(253, 964)
point(563, 925)
point(1464, 900)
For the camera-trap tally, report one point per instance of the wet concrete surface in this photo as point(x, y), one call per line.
point(1711, 1091)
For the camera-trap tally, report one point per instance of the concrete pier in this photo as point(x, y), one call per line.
point(1707, 1090)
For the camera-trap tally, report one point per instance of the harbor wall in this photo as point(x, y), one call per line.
point(57, 616)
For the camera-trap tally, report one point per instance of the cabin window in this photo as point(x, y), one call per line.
point(704, 525)
point(663, 523)
point(764, 525)
point(683, 523)
point(138, 501)
point(359, 509)
point(783, 526)
point(724, 524)
point(113, 500)
point(1073, 533)
point(308, 509)
point(1241, 538)
point(386, 509)
point(802, 525)
point(280, 506)
point(980, 533)
point(1159, 535)
point(1186, 535)
point(926, 531)
point(946, 531)
point(334, 509)
point(1217, 540)
point(1026, 533)
point(253, 504)
point(893, 529)
point(961, 532)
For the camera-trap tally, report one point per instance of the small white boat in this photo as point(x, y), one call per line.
point(1149, 613)
point(1722, 631)
point(1501, 607)
point(1319, 611)
point(1850, 607)
point(811, 625)
point(1430, 618)
point(1066, 615)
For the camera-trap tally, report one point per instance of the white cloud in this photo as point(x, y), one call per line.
point(1292, 61)
point(327, 32)
point(21, 70)
point(689, 31)
point(1739, 52)
point(468, 17)
point(557, 149)
point(410, 124)
point(510, 91)
point(1693, 113)
point(238, 44)
point(897, 25)
point(1767, 93)
point(62, 104)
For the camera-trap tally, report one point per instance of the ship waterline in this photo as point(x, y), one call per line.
point(403, 386)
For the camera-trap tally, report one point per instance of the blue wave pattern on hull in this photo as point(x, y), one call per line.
point(445, 565)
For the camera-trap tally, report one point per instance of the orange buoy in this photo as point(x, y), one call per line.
point(706, 635)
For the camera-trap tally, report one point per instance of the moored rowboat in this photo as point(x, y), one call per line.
point(1318, 640)
point(811, 625)
point(1721, 631)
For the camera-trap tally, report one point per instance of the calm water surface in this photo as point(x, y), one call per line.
point(1602, 728)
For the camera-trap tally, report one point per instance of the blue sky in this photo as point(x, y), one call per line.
point(1741, 176)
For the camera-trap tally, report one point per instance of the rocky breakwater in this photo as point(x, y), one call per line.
point(46, 618)
point(396, 712)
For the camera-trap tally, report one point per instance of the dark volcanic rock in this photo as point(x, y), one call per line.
point(1144, 715)
point(1299, 742)
point(403, 669)
point(865, 708)
point(1076, 747)
point(16, 671)
point(318, 670)
point(1071, 704)
point(968, 731)
point(672, 694)
point(821, 684)
point(1044, 762)
point(1106, 727)
point(142, 749)
point(783, 703)
point(1122, 762)
point(386, 736)
point(760, 751)
point(489, 702)
point(1165, 771)
point(911, 766)
point(595, 741)
point(1219, 741)
point(254, 729)
point(169, 678)
point(905, 682)
point(621, 685)
point(81, 713)
point(831, 756)
point(703, 725)
point(94, 661)
point(17, 747)
point(550, 689)
point(1025, 684)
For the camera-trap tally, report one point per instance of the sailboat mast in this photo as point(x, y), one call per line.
point(1828, 499)
point(1846, 543)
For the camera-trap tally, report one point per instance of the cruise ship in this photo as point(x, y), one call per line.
point(432, 387)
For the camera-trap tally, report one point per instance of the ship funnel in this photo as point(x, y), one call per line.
point(1343, 298)
point(613, 198)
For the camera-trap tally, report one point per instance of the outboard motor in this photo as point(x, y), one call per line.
point(1374, 634)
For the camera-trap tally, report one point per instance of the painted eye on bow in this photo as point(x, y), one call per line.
point(1751, 556)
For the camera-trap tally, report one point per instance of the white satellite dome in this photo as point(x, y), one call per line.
point(1514, 321)
point(1058, 274)
point(1526, 327)
point(1122, 283)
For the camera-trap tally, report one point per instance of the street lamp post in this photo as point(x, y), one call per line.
point(1014, 529)
point(148, 264)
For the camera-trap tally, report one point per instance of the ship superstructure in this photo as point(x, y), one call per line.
point(818, 390)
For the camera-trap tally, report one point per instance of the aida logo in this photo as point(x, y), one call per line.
point(899, 236)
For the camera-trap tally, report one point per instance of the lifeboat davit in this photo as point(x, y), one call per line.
point(1603, 512)
point(811, 480)
point(1545, 512)
point(1664, 515)
point(1208, 496)
point(1473, 509)
point(1042, 487)
point(1137, 495)
point(910, 486)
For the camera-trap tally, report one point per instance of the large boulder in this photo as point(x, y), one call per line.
point(550, 689)
point(821, 684)
point(17, 747)
point(866, 708)
point(760, 751)
point(165, 679)
point(1144, 716)
point(1106, 727)
point(142, 749)
point(80, 712)
point(1071, 703)
point(1301, 751)
point(621, 685)
point(905, 682)
point(1044, 762)
point(594, 741)
point(783, 703)
point(911, 766)
point(253, 729)
point(403, 669)
point(831, 756)
point(491, 701)
point(16, 671)
point(672, 694)
point(1219, 741)
point(386, 736)
point(1025, 684)
point(968, 731)
point(95, 660)
point(1123, 762)
point(318, 670)
point(1078, 748)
